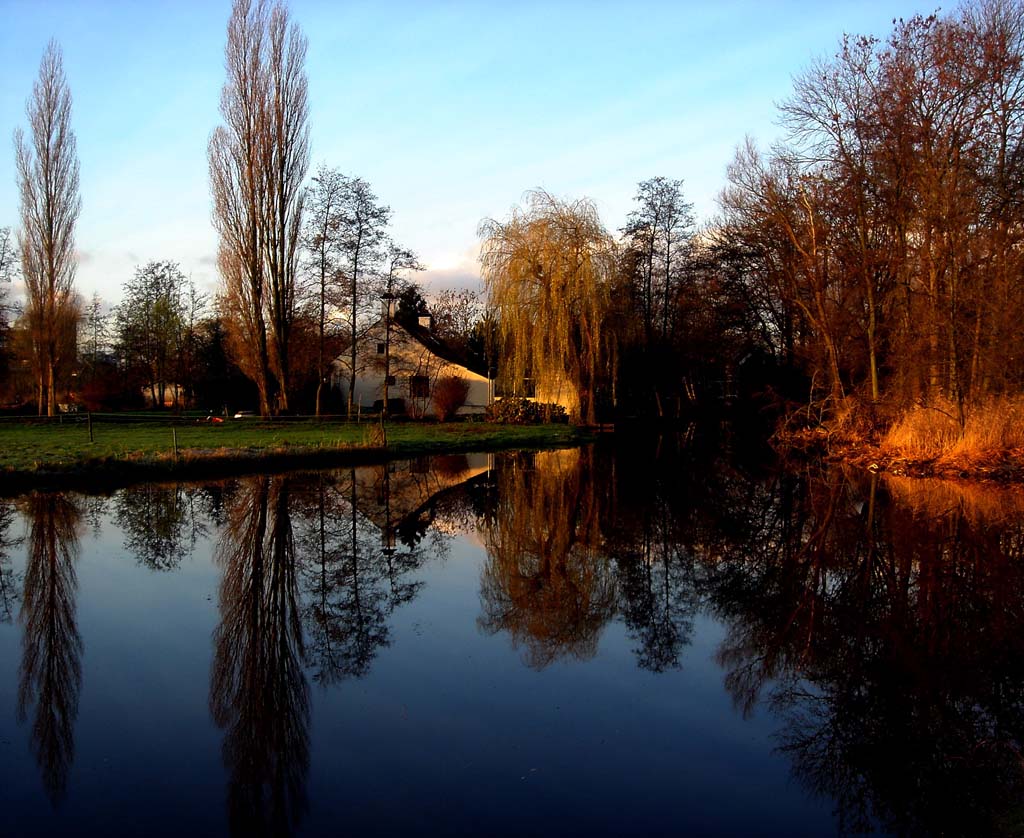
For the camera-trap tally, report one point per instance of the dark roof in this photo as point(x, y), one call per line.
point(440, 348)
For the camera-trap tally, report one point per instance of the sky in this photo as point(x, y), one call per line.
point(451, 110)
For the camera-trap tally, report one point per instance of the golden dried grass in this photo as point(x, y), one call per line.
point(932, 431)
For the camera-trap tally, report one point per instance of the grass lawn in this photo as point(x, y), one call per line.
point(27, 448)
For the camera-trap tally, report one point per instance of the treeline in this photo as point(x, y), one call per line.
point(867, 262)
point(304, 266)
point(167, 344)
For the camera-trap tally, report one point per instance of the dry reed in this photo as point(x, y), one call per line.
point(932, 431)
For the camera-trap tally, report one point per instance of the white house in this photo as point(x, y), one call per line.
point(412, 361)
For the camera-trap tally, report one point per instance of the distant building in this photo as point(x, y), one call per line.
point(417, 361)
point(173, 395)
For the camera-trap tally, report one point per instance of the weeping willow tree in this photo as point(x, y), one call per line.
point(548, 271)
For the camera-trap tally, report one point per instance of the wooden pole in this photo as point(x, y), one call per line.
point(88, 419)
point(174, 440)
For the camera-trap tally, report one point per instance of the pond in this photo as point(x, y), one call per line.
point(593, 641)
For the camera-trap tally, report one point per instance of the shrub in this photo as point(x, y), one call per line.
point(519, 411)
point(449, 395)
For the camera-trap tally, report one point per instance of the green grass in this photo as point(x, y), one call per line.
point(27, 449)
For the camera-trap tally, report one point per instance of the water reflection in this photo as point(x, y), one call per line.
point(891, 642)
point(881, 623)
point(546, 580)
point(8, 580)
point(50, 676)
point(313, 568)
point(161, 523)
point(353, 575)
point(258, 690)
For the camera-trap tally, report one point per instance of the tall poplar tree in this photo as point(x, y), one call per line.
point(258, 160)
point(47, 165)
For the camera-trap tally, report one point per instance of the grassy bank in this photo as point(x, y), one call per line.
point(928, 440)
point(48, 454)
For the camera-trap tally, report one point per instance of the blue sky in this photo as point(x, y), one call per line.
point(450, 110)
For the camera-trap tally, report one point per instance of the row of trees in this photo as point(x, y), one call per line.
point(291, 253)
point(871, 257)
point(304, 266)
point(649, 322)
point(885, 232)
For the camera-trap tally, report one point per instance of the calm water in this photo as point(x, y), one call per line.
point(564, 643)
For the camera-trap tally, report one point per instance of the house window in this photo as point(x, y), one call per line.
point(390, 381)
point(419, 386)
point(380, 348)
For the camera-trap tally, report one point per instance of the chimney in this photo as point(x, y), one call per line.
point(388, 307)
point(424, 321)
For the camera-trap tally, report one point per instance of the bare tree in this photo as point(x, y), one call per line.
point(8, 263)
point(362, 237)
point(454, 315)
point(323, 268)
point(659, 232)
point(258, 160)
point(47, 166)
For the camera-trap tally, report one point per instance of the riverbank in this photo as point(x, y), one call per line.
point(928, 440)
point(1000, 466)
point(51, 455)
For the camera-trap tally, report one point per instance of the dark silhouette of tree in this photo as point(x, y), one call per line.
point(658, 233)
point(658, 594)
point(362, 241)
point(258, 691)
point(9, 593)
point(323, 286)
point(151, 322)
point(8, 270)
point(888, 639)
point(50, 676)
point(353, 577)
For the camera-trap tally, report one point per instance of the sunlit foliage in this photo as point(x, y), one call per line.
point(548, 270)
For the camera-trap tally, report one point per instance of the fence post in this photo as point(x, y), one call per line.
point(174, 440)
point(88, 419)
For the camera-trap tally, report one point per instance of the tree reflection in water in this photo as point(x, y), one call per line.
point(361, 535)
point(160, 523)
point(546, 580)
point(884, 626)
point(348, 605)
point(892, 644)
point(317, 593)
point(881, 623)
point(258, 691)
point(50, 676)
point(8, 580)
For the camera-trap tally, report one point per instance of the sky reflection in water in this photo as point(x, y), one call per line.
point(568, 642)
